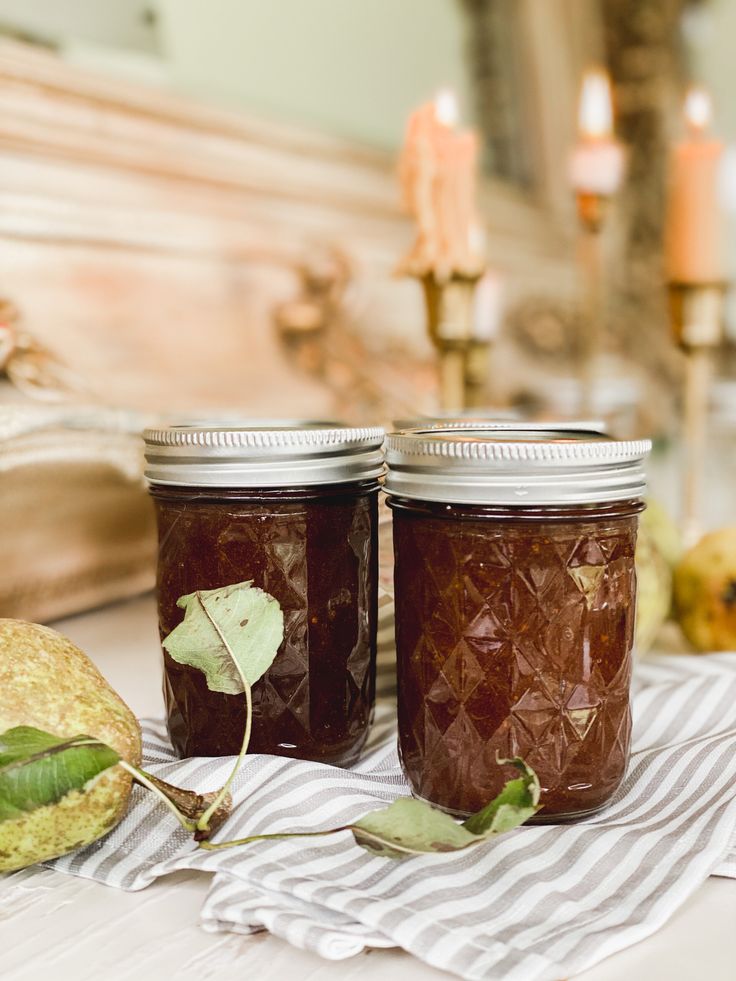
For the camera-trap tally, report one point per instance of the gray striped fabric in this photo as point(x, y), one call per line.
point(540, 903)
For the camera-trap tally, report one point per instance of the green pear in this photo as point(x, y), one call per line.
point(657, 549)
point(705, 592)
point(662, 528)
point(654, 591)
point(49, 684)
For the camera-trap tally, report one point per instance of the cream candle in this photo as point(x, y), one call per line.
point(693, 229)
point(438, 172)
point(597, 159)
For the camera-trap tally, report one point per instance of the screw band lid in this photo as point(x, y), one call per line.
point(262, 456)
point(520, 466)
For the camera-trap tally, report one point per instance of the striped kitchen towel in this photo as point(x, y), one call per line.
point(540, 903)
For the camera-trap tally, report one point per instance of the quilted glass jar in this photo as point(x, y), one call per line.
point(515, 600)
point(294, 510)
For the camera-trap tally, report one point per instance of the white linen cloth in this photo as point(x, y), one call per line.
point(538, 904)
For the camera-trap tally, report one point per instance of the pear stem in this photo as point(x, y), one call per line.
point(141, 777)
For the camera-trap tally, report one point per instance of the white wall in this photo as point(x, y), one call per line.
point(711, 37)
point(113, 23)
point(352, 67)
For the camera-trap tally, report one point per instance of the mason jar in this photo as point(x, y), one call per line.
point(295, 511)
point(515, 594)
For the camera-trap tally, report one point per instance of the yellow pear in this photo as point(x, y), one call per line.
point(49, 684)
point(705, 592)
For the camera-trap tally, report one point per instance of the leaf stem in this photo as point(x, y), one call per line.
point(203, 823)
point(378, 840)
point(212, 846)
point(142, 777)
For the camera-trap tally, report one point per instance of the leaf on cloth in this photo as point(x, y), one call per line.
point(412, 827)
point(409, 827)
point(37, 769)
point(233, 623)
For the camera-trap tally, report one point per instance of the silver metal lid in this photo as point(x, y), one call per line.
point(256, 456)
point(495, 416)
point(519, 467)
point(488, 422)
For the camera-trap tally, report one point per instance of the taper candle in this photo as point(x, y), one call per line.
point(597, 159)
point(596, 171)
point(693, 246)
point(438, 171)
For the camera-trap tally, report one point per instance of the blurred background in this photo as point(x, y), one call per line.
point(202, 211)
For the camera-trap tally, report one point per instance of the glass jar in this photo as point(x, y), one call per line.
point(515, 597)
point(294, 510)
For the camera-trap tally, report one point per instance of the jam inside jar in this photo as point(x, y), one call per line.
point(312, 547)
point(514, 623)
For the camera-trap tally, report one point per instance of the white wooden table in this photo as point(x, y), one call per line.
point(69, 929)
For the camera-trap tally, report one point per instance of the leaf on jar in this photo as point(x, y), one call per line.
point(38, 769)
point(412, 827)
point(233, 623)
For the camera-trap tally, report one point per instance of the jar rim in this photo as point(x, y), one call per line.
point(252, 455)
point(519, 466)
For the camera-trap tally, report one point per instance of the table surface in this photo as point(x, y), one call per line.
point(78, 930)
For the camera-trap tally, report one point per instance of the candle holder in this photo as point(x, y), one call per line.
point(696, 311)
point(476, 374)
point(462, 356)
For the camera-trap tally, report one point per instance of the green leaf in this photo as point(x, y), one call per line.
point(37, 768)
point(239, 622)
point(516, 803)
point(411, 827)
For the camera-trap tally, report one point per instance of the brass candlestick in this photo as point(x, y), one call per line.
point(697, 322)
point(476, 374)
point(450, 323)
point(591, 209)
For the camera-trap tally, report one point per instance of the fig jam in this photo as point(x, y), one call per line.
point(314, 548)
point(514, 632)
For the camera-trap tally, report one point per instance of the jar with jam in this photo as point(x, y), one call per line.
point(515, 597)
point(295, 511)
